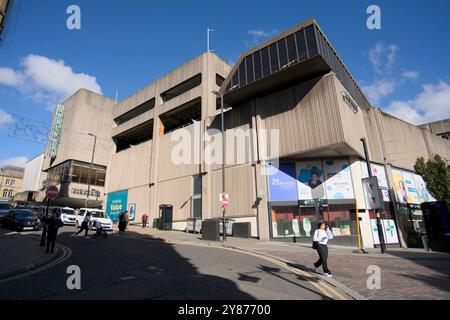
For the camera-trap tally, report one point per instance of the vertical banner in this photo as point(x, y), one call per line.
point(116, 202)
point(422, 192)
point(283, 183)
point(338, 180)
point(132, 211)
point(399, 186)
point(410, 186)
point(310, 180)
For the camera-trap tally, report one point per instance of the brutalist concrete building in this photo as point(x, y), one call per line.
point(294, 117)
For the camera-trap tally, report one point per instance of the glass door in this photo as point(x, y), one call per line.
point(412, 219)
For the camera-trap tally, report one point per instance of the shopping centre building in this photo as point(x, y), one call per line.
point(290, 103)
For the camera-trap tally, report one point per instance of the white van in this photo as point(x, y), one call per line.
point(96, 214)
point(68, 215)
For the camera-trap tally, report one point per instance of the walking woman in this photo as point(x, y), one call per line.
point(320, 241)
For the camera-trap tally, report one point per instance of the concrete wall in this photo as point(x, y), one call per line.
point(85, 112)
point(306, 115)
point(32, 178)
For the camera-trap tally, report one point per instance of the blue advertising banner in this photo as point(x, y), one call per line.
point(116, 203)
point(283, 183)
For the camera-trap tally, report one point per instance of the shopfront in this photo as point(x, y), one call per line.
point(410, 191)
point(302, 193)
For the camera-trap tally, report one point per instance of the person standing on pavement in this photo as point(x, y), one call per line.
point(122, 222)
point(127, 219)
point(144, 220)
point(321, 237)
point(54, 223)
point(85, 225)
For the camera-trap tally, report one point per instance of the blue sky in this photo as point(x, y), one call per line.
point(124, 45)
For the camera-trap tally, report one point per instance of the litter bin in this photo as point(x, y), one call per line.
point(190, 226)
point(229, 224)
point(165, 217)
point(155, 223)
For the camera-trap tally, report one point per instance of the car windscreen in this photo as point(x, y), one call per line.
point(97, 214)
point(23, 214)
point(68, 212)
point(5, 206)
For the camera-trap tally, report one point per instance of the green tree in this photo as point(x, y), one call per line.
point(436, 173)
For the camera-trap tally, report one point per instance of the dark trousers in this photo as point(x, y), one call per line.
point(322, 250)
point(84, 226)
point(51, 239)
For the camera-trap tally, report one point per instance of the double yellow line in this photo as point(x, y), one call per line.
point(66, 253)
point(320, 285)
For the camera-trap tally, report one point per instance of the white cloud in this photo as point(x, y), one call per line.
point(47, 81)
point(5, 118)
point(383, 57)
point(432, 104)
point(14, 161)
point(411, 75)
point(379, 89)
point(258, 35)
point(9, 77)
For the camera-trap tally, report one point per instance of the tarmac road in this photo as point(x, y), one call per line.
point(128, 268)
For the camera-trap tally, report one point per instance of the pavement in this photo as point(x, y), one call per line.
point(404, 273)
point(20, 253)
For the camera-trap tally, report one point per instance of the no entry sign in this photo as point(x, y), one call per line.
point(52, 192)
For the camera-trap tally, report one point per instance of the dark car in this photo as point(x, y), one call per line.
point(21, 220)
point(4, 209)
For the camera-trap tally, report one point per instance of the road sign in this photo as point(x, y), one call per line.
point(224, 198)
point(372, 193)
point(52, 192)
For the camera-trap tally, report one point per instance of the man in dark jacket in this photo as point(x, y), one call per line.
point(54, 223)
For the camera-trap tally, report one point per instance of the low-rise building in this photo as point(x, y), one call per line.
point(440, 128)
point(10, 182)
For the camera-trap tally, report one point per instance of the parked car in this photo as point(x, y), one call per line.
point(96, 214)
point(4, 209)
point(68, 215)
point(21, 220)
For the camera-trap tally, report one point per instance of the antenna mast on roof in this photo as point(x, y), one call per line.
point(208, 31)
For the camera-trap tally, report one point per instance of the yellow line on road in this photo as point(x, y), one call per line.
point(322, 287)
point(66, 255)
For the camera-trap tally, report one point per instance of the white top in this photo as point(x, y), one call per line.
point(322, 236)
point(87, 219)
point(96, 224)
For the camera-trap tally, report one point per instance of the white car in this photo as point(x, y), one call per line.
point(68, 215)
point(96, 214)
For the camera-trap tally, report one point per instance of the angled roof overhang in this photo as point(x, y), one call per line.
point(294, 56)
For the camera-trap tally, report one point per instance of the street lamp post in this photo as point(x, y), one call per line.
point(223, 163)
point(91, 168)
point(379, 226)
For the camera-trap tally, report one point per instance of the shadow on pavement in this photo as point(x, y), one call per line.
point(277, 272)
point(438, 263)
point(123, 268)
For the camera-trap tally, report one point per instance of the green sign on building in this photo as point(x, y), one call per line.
point(56, 131)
